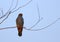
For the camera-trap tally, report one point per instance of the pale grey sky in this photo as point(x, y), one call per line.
point(49, 10)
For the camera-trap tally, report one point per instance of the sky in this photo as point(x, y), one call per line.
point(49, 10)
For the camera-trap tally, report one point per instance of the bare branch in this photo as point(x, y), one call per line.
point(10, 11)
point(15, 6)
point(38, 19)
point(32, 29)
point(8, 28)
point(22, 6)
point(1, 11)
point(43, 27)
point(7, 11)
point(4, 19)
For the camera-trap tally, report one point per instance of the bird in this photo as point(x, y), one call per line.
point(19, 24)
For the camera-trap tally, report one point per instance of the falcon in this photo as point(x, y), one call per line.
point(19, 23)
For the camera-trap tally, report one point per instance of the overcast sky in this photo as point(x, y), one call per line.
point(49, 10)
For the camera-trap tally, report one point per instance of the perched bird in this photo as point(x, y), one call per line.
point(19, 23)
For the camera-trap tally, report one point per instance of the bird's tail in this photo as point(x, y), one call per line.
point(20, 28)
point(19, 33)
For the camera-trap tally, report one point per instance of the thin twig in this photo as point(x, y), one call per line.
point(8, 28)
point(43, 27)
point(32, 29)
point(22, 6)
point(15, 6)
point(38, 19)
point(4, 19)
point(1, 11)
point(10, 11)
point(7, 11)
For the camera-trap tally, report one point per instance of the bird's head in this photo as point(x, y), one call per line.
point(20, 14)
